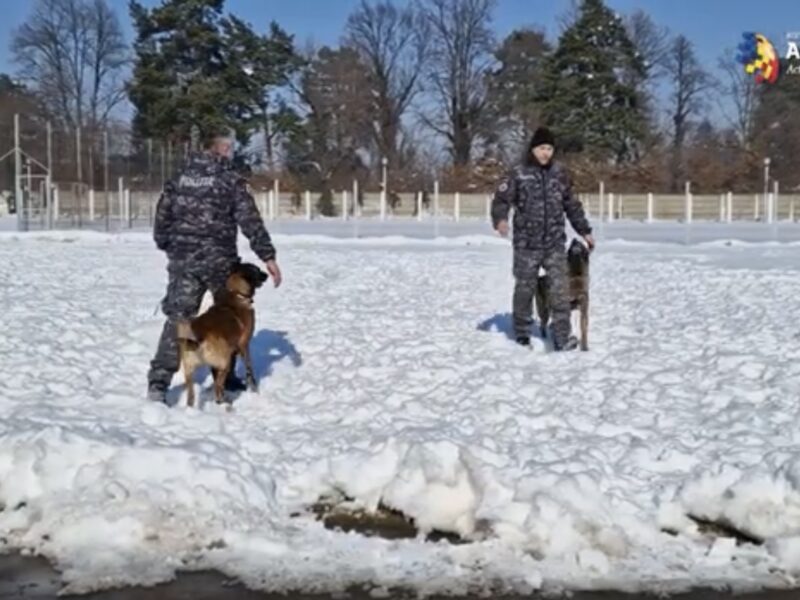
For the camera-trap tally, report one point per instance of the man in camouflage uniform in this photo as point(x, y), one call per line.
point(540, 191)
point(196, 225)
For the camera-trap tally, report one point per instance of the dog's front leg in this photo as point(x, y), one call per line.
point(188, 373)
point(219, 382)
point(584, 322)
point(248, 365)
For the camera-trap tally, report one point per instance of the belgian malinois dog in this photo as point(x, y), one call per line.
point(577, 290)
point(215, 337)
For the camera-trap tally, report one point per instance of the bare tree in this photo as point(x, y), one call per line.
point(325, 149)
point(689, 81)
point(392, 42)
point(570, 15)
point(461, 45)
point(740, 89)
point(650, 40)
point(72, 53)
point(652, 43)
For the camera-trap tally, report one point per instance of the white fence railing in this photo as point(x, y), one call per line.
point(123, 206)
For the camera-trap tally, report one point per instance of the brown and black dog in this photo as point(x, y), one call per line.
point(577, 290)
point(215, 337)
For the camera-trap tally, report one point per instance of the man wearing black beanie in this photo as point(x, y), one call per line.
point(540, 191)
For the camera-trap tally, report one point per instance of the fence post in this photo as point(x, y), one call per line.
point(308, 205)
point(271, 196)
point(688, 202)
point(128, 211)
point(489, 208)
point(356, 203)
point(755, 207)
point(91, 205)
point(601, 201)
point(344, 205)
point(770, 207)
point(776, 192)
point(55, 206)
point(791, 209)
point(418, 200)
point(436, 198)
point(729, 208)
point(721, 208)
point(649, 207)
point(610, 207)
point(277, 190)
point(49, 199)
point(383, 205)
point(457, 206)
point(121, 200)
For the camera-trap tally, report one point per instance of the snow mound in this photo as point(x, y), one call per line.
point(387, 375)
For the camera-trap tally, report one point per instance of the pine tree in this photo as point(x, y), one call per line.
point(196, 67)
point(586, 99)
point(514, 87)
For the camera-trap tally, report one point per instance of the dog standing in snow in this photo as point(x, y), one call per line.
point(216, 336)
point(577, 290)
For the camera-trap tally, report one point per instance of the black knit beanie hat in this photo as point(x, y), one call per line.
point(542, 136)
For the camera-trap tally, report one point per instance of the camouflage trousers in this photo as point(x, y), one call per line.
point(526, 273)
point(188, 281)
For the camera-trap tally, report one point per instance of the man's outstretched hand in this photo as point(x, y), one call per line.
point(502, 228)
point(275, 272)
point(589, 241)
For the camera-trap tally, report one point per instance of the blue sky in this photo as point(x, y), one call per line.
point(712, 25)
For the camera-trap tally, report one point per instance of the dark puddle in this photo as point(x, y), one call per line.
point(385, 522)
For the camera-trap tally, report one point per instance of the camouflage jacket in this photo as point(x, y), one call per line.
point(540, 196)
point(199, 211)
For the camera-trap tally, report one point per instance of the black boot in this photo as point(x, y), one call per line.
point(157, 393)
point(570, 344)
point(232, 382)
point(523, 340)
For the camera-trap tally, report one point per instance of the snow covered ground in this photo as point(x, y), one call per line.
point(386, 374)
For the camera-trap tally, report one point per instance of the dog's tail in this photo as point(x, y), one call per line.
point(186, 333)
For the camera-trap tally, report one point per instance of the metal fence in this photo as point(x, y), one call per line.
point(107, 180)
point(72, 206)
